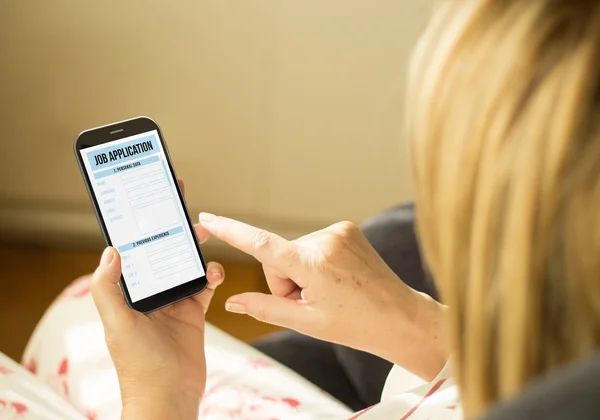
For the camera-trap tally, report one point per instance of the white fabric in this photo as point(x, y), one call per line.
point(406, 396)
point(24, 397)
point(68, 374)
point(67, 352)
point(240, 385)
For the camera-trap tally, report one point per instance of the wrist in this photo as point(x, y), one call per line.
point(416, 338)
point(150, 403)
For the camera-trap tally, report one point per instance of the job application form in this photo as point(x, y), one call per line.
point(140, 206)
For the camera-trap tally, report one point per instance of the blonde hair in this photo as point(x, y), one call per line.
point(504, 120)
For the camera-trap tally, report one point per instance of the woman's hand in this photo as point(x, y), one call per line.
point(159, 358)
point(333, 285)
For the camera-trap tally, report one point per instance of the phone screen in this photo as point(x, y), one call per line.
point(143, 214)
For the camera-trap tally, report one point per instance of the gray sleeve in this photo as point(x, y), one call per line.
point(571, 393)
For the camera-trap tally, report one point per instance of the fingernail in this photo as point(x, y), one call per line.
point(207, 217)
point(216, 273)
point(107, 256)
point(236, 308)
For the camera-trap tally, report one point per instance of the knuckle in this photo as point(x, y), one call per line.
point(333, 241)
point(338, 237)
point(347, 229)
point(262, 239)
point(261, 315)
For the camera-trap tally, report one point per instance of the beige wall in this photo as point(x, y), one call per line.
point(285, 114)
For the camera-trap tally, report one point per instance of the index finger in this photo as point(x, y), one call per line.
point(265, 246)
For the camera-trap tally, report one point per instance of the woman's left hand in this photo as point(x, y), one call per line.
point(159, 358)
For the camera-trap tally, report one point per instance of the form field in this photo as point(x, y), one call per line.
point(168, 252)
point(155, 197)
point(173, 261)
point(142, 172)
point(156, 216)
point(144, 191)
point(173, 270)
point(136, 183)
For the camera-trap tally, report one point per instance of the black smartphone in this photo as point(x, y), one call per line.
point(142, 212)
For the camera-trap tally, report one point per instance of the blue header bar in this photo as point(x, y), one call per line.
point(122, 153)
point(126, 167)
point(151, 239)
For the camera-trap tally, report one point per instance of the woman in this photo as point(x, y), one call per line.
point(504, 116)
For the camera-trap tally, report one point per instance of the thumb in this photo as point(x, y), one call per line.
point(276, 310)
point(105, 287)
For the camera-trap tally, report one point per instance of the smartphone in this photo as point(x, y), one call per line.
point(141, 212)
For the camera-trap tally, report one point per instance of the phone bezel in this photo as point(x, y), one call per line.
point(116, 131)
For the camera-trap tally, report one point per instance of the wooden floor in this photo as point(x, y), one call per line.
point(33, 277)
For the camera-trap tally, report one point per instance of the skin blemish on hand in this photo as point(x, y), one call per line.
point(338, 280)
point(357, 283)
